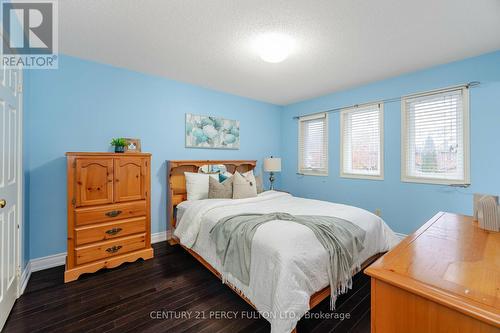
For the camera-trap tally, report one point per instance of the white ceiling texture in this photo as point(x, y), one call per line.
point(338, 43)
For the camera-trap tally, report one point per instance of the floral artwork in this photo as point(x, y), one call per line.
point(212, 132)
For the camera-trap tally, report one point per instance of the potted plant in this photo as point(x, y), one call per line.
point(119, 144)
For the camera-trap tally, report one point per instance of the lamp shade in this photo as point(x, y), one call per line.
point(272, 164)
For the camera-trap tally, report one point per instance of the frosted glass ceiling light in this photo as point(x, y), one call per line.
point(274, 47)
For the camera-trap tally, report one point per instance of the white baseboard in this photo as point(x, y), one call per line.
point(54, 260)
point(160, 236)
point(59, 259)
point(25, 277)
point(401, 236)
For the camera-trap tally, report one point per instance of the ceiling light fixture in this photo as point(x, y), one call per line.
point(274, 47)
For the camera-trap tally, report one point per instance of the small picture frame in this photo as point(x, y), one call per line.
point(133, 145)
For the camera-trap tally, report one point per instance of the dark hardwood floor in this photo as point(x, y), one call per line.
point(174, 289)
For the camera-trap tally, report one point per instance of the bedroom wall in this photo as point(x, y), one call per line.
point(405, 206)
point(83, 104)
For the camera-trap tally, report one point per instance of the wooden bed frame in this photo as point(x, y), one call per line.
point(176, 193)
point(176, 181)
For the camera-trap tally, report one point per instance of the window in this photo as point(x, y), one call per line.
point(435, 137)
point(313, 145)
point(361, 152)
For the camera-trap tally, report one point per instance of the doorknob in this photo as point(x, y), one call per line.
point(3, 203)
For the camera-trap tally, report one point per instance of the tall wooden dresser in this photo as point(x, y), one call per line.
point(445, 277)
point(109, 200)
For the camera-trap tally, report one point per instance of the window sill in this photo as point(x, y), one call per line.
point(435, 181)
point(308, 173)
point(358, 176)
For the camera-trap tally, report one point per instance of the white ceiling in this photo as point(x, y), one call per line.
point(340, 43)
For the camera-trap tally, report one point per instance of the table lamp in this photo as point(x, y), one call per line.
point(272, 165)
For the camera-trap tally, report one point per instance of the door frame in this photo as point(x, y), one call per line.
point(20, 189)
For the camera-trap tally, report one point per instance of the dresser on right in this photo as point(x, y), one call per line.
point(445, 277)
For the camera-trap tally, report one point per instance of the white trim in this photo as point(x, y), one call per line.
point(466, 141)
point(306, 172)
point(360, 176)
point(437, 91)
point(20, 179)
point(312, 173)
point(59, 259)
point(161, 236)
point(381, 145)
point(314, 116)
point(401, 236)
point(466, 126)
point(54, 260)
point(39, 264)
point(25, 277)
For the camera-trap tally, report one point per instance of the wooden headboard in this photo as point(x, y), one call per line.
point(176, 181)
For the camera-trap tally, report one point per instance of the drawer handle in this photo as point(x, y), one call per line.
point(113, 231)
point(113, 249)
point(114, 213)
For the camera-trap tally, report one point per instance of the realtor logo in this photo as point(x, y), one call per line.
point(29, 31)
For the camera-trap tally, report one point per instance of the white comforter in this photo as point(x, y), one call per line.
point(288, 262)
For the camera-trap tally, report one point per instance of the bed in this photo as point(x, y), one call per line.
point(288, 274)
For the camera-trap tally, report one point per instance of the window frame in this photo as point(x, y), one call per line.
point(307, 172)
point(465, 134)
point(343, 113)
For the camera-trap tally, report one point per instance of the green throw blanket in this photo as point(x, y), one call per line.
point(342, 240)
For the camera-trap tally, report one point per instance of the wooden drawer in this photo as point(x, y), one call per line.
point(107, 213)
point(110, 230)
point(110, 248)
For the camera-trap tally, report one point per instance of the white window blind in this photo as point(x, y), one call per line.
point(362, 142)
point(435, 137)
point(313, 145)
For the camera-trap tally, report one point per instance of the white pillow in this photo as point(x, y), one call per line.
point(244, 185)
point(197, 185)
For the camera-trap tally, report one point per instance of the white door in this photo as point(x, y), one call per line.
point(10, 188)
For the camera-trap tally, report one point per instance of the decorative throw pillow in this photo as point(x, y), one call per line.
point(218, 190)
point(221, 178)
point(244, 185)
point(197, 185)
point(224, 176)
point(258, 182)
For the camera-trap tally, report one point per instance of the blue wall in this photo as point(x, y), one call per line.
point(405, 206)
point(83, 104)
